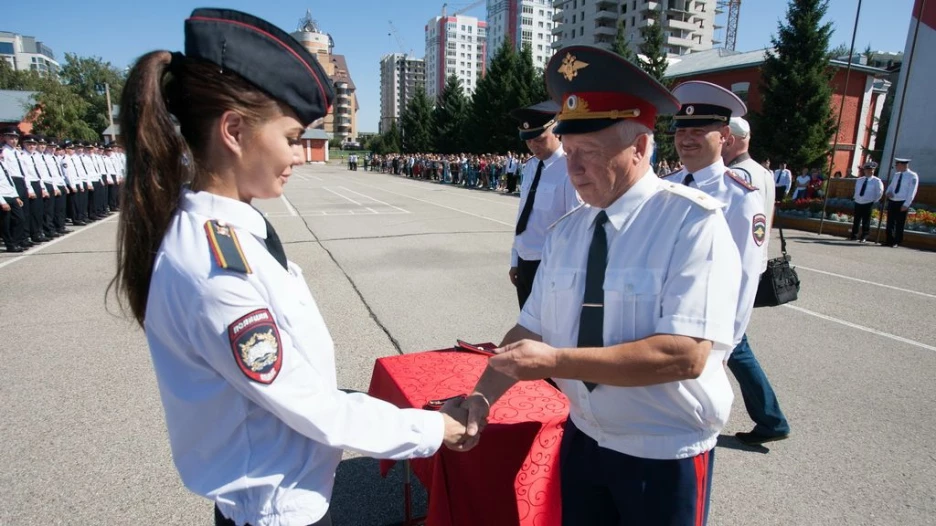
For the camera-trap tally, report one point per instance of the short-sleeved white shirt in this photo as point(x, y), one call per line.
point(672, 269)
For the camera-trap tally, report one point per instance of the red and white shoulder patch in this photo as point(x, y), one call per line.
point(759, 229)
point(740, 180)
point(257, 347)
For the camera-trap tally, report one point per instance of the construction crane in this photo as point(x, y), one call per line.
point(399, 40)
point(464, 9)
point(734, 14)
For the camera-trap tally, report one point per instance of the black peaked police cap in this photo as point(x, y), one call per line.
point(264, 55)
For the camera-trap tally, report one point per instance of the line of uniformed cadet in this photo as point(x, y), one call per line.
point(47, 183)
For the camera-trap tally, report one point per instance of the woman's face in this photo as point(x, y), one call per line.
point(270, 151)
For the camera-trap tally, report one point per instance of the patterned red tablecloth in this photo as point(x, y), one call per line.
point(512, 476)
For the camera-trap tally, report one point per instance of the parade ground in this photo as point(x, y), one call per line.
point(402, 266)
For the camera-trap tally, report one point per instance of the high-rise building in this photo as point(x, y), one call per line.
point(455, 45)
point(688, 25)
point(341, 121)
point(400, 76)
point(524, 22)
point(26, 53)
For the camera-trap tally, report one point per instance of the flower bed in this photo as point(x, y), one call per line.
point(840, 210)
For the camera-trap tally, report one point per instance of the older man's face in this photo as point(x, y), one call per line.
point(600, 164)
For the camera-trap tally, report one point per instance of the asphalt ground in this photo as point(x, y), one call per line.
point(398, 265)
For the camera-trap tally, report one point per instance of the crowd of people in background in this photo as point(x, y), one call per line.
point(47, 183)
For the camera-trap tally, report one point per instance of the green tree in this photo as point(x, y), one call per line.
point(653, 49)
point(620, 45)
point(390, 141)
point(61, 111)
point(796, 123)
point(450, 118)
point(11, 79)
point(417, 124)
point(86, 76)
point(490, 128)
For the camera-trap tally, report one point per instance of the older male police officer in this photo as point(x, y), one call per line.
point(702, 130)
point(545, 193)
point(631, 312)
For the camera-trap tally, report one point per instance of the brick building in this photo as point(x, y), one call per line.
point(741, 73)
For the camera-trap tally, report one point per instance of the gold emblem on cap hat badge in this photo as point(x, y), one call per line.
point(570, 66)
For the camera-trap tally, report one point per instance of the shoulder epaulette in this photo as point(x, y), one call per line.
point(225, 246)
point(570, 212)
point(695, 195)
point(740, 180)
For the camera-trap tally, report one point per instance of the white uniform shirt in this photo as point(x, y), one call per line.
point(760, 178)
point(265, 452)
point(908, 187)
point(109, 168)
point(52, 164)
point(555, 197)
point(90, 170)
point(873, 191)
point(67, 164)
point(672, 269)
point(744, 211)
point(10, 161)
point(802, 181)
point(81, 171)
point(7, 187)
point(783, 178)
point(26, 163)
point(42, 170)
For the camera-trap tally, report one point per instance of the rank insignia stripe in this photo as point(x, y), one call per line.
point(256, 344)
point(740, 180)
point(225, 247)
point(759, 229)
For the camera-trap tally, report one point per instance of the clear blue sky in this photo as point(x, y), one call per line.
point(119, 32)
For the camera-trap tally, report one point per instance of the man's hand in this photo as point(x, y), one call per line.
point(5, 207)
point(455, 417)
point(45, 195)
point(904, 208)
point(513, 276)
point(477, 410)
point(31, 195)
point(525, 360)
point(57, 193)
point(19, 201)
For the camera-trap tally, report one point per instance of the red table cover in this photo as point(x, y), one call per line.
point(512, 476)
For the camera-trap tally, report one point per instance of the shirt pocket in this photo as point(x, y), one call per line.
point(632, 302)
point(544, 197)
point(561, 306)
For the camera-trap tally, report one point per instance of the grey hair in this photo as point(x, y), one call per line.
point(630, 129)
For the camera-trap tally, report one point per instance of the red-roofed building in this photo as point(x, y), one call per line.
point(741, 73)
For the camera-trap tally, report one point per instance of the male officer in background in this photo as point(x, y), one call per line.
point(702, 130)
point(868, 190)
point(783, 180)
point(900, 194)
point(546, 194)
point(631, 312)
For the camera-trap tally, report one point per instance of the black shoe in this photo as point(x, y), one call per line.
point(756, 439)
point(64, 231)
point(14, 248)
point(79, 223)
point(27, 243)
point(52, 235)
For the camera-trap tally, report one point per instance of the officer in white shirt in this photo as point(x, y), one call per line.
point(736, 155)
point(783, 180)
point(243, 359)
point(546, 194)
point(702, 129)
point(900, 194)
point(802, 184)
point(72, 179)
point(16, 171)
point(12, 218)
point(110, 168)
point(37, 205)
point(632, 311)
point(85, 187)
point(868, 190)
point(48, 184)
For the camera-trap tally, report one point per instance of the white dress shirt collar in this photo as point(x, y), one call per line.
point(710, 174)
point(230, 211)
point(620, 210)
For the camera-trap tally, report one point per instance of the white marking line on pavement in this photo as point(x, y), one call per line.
point(289, 206)
point(341, 196)
point(419, 186)
point(317, 178)
point(863, 328)
point(866, 282)
point(436, 204)
point(44, 246)
point(374, 199)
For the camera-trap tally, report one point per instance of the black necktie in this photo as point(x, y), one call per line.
point(899, 180)
point(528, 206)
point(274, 245)
point(864, 186)
point(688, 180)
point(7, 174)
point(20, 164)
point(591, 322)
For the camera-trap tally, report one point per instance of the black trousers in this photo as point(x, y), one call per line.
point(863, 217)
point(112, 196)
point(71, 206)
point(97, 199)
point(61, 204)
point(221, 520)
point(511, 183)
point(781, 193)
point(48, 212)
point(526, 271)
point(12, 223)
point(20, 185)
point(896, 220)
point(36, 211)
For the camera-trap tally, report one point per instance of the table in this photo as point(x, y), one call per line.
point(512, 476)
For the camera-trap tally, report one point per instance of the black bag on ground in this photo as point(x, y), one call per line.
point(779, 284)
